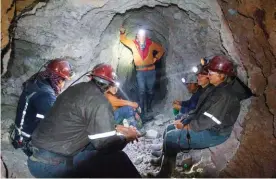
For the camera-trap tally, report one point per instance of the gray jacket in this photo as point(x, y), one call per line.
point(217, 110)
point(79, 112)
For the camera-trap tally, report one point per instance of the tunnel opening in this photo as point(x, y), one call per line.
point(193, 29)
point(185, 36)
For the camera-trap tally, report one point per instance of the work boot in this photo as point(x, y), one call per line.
point(156, 147)
point(149, 103)
point(167, 167)
point(156, 161)
point(156, 153)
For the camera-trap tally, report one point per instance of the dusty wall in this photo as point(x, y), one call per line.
point(67, 29)
point(253, 25)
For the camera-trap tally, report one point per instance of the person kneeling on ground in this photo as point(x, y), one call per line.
point(124, 109)
point(211, 122)
point(78, 137)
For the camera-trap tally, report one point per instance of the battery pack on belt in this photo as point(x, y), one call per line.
point(144, 66)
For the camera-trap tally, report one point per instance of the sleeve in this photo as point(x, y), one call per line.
point(124, 40)
point(116, 102)
point(211, 115)
point(160, 50)
point(190, 104)
point(101, 129)
point(43, 103)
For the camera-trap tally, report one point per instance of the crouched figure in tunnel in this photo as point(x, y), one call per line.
point(124, 110)
point(143, 54)
point(210, 124)
point(78, 137)
point(38, 96)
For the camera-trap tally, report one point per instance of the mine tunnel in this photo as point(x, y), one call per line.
point(86, 33)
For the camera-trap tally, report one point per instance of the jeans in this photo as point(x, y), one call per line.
point(60, 169)
point(127, 112)
point(175, 140)
point(87, 163)
point(146, 81)
point(122, 113)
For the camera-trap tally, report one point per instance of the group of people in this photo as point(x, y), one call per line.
point(80, 132)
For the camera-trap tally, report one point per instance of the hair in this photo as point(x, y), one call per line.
point(102, 86)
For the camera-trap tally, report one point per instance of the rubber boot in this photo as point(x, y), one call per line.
point(145, 118)
point(149, 103)
point(156, 161)
point(167, 167)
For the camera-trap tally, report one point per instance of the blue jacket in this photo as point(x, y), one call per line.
point(42, 99)
point(187, 106)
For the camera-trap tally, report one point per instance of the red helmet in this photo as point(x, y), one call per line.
point(222, 65)
point(104, 73)
point(61, 67)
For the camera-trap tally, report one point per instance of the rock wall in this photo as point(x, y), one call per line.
point(86, 33)
point(253, 25)
point(11, 10)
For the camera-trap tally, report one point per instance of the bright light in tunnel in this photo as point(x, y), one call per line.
point(194, 69)
point(142, 32)
point(183, 80)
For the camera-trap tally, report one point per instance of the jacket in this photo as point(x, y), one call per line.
point(80, 115)
point(187, 106)
point(217, 110)
point(115, 101)
point(41, 99)
point(143, 57)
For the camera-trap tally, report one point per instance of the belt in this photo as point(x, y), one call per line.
point(47, 157)
point(144, 66)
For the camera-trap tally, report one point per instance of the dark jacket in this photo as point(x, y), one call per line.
point(42, 99)
point(217, 110)
point(187, 106)
point(80, 111)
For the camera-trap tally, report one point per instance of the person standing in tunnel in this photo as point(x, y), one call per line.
point(38, 96)
point(212, 121)
point(144, 59)
point(78, 137)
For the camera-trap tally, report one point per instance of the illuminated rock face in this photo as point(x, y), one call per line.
point(86, 33)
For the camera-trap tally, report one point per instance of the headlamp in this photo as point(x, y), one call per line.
point(194, 69)
point(142, 32)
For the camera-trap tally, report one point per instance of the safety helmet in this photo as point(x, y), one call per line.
point(202, 69)
point(61, 67)
point(104, 73)
point(222, 65)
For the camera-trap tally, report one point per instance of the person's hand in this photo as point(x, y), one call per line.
point(130, 133)
point(178, 124)
point(177, 102)
point(122, 30)
point(176, 106)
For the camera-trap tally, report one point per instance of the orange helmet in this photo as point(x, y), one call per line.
point(104, 73)
point(222, 65)
point(61, 67)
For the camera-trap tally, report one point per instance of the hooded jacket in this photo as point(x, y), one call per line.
point(80, 115)
point(41, 99)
